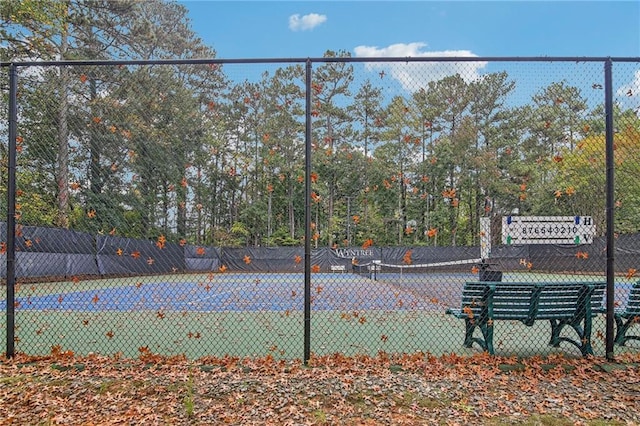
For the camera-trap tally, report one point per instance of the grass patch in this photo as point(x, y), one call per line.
point(320, 417)
point(412, 399)
point(549, 420)
point(189, 399)
point(13, 380)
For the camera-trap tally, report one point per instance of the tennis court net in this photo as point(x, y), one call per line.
point(376, 269)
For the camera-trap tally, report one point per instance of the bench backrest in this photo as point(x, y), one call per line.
point(474, 297)
point(514, 300)
point(633, 300)
point(526, 301)
point(561, 300)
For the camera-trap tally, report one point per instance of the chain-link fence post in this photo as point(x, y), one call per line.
point(610, 270)
point(11, 208)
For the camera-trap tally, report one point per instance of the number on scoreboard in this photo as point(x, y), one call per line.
point(548, 230)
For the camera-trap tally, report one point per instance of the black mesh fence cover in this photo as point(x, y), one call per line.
point(118, 255)
point(55, 252)
point(199, 258)
point(51, 252)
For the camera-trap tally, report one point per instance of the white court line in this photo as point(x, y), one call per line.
point(209, 297)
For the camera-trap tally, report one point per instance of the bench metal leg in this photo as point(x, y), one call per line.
point(487, 331)
point(584, 335)
point(470, 327)
point(622, 327)
point(486, 342)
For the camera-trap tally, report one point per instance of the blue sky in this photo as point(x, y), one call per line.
point(298, 29)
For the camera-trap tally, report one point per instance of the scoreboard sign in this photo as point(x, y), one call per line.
point(548, 230)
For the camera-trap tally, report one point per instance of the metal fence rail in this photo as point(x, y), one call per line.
point(307, 206)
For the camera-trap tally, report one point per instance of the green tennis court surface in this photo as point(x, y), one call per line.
point(250, 314)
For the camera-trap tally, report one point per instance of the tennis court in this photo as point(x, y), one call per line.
point(221, 292)
point(258, 313)
point(389, 289)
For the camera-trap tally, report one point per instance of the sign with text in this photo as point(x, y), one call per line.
point(548, 230)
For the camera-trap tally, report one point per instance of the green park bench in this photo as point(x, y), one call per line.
point(627, 316)
point(562, 303)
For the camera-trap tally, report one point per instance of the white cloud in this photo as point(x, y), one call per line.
point(306, 22)
point(632, 88)
point(414, 75)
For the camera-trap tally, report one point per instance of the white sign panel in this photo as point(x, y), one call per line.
point(548, 230)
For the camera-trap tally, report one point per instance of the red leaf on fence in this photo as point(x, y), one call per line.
point(406, 259)
point(467, 310)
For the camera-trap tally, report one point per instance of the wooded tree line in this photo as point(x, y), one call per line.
point(192, 154)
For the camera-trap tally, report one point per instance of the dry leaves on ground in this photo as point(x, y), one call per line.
point(403, 389)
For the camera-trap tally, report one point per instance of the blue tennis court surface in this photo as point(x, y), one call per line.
point(271, 292)
point(235, 292)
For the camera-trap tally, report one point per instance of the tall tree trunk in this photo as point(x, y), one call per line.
point(292, 219)
point(95, 172)
point(62, 173)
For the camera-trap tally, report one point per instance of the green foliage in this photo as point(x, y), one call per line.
point(185, 152)
point(281, 237)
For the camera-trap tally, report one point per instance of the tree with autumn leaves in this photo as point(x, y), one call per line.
point(194, 152)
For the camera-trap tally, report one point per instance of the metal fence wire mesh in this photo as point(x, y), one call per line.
point(300, 207)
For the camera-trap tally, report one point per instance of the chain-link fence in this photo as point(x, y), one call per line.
point(312, 206)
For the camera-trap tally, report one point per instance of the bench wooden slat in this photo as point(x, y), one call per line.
point(627, 316)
